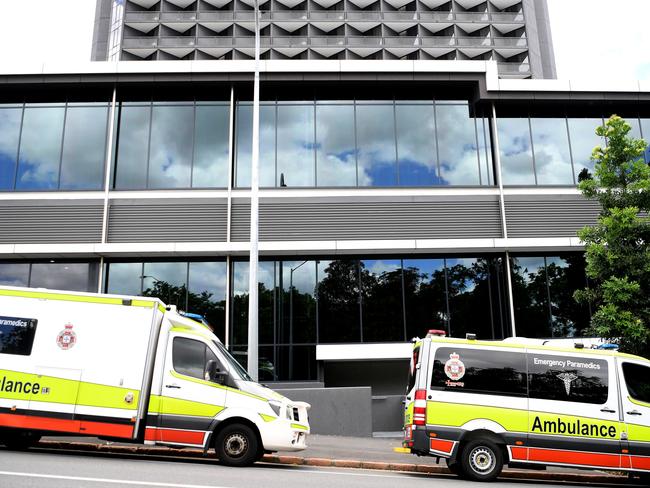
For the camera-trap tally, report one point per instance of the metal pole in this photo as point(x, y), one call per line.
point(252, 278)
point(504, 223)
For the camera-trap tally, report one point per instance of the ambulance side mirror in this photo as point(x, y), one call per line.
point(213, 372)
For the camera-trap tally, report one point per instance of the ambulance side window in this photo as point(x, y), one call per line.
point(479, 371)
point(17, 335)
point(567, 378)
point(637, 379)
point(188, 357)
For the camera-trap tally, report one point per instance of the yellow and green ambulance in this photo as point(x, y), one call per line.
point(482, 404)
point(132, 369)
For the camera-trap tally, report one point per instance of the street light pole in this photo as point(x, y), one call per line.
point(254, 234)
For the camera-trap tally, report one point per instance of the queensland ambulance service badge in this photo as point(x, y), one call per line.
point(454, 367)
point(66, 338)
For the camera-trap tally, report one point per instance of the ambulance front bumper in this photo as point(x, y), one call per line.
point(289, 432)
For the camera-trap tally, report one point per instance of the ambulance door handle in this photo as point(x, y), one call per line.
point(172, 386)
point(607, 410)
point(634, 412)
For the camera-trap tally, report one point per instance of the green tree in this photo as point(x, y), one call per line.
point(617, 247)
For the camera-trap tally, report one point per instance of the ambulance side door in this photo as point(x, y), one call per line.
point(574, 414)
point(634, 378)
point(189, 400)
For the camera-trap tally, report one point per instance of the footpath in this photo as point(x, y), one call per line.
point(340, 452)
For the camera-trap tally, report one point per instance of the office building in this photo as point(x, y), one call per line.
point(514, 33)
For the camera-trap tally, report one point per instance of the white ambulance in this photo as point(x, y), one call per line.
point(482, 404)
point(131, 369)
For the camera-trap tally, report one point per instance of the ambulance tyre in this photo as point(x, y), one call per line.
point(237, 445)
point(481, 460)
point(19, 441)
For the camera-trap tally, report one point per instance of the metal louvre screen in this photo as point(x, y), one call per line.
point(549, 216)
point(304, 221)
point(51, 222)
point(169, 221)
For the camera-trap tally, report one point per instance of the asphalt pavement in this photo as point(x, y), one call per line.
point(45, 468)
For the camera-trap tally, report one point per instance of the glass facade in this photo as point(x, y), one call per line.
point(196, 286)
point(303, 144)
point(52, 146)
point(58, 275)
point(163, 145)
point(365, 144)
point(303, 303)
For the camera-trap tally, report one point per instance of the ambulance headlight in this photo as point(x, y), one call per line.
point(275, 406)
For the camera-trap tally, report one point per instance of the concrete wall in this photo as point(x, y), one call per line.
point(387, 413)
point(336, 411)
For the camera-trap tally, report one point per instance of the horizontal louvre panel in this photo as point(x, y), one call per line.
point(168, 222)
point(302, 221)
point(50, 222)
point(549, 216)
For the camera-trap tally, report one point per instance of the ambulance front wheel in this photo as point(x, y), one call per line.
point(481, 460)
point(237, 445)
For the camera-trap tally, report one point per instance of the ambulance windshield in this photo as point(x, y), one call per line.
point(234, 364)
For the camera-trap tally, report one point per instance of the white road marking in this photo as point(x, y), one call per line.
point(105, 480)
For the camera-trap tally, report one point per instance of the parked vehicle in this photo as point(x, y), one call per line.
point(132, 369)
point(480, 405)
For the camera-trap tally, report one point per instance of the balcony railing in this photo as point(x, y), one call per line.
point(316, 15)
point(323, 41)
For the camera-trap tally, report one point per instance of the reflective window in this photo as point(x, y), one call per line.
point(485, 151)
point(64, 276)
point(170, 150)
point(211, 135)
point(207, 293)
point(543, 288)
point(10, 119)
point(552, 154)
point(336, 155)
point(588, 378)
point(124, 278)
point(416, 145)
point(477, 301)
point(376, 145)
point(14, 274)
point(197, 287)
point(516, 151)
point(188, 357)
point(40, 148)
point(295, 143)
point(244, 146)
point(173, 145)
point(267, 278)
point(425, 296)
point(297, 323)
point(338, 294)
point(636, 380)
point(133, 147)
point(457, 145)
point(485, 372)
point(582, 133)
point(381, 300)
point(84, 148)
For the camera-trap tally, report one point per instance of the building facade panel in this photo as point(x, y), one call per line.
point(50, 221)
point(355, 219)
point(549, 215)
point(198, 220)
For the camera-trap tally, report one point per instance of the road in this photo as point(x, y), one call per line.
point(45, 468)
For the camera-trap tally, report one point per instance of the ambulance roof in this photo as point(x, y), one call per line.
point(538, 347)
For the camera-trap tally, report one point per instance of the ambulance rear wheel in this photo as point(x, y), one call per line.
point(19, 441)
point(481, 460)
point(237, 445)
